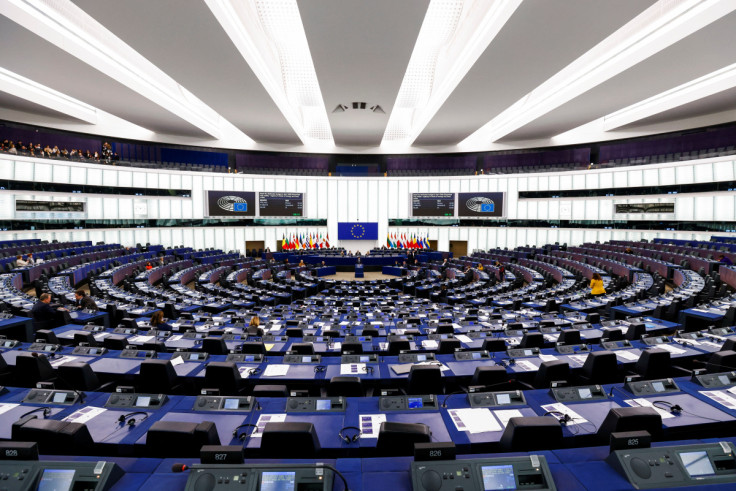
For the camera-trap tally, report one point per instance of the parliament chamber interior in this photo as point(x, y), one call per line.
point(431, 245)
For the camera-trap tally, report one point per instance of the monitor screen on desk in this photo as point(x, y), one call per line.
point(56, 480)
point(48, 347)
point(415, 403)
point(503, 399)
point(324, 404)
point(697, 463)
point(658, 386)
point(232, 404)
point(724, 379)
point(278, 481)
point(528, 352)
point(421, 357)
point(194, 356)
point(249, 358)
point(143, 401)
point(306, 359)
point(59, 398)
point(365, 359)
point(476, 355)
point(585, 393)
point(497, 477)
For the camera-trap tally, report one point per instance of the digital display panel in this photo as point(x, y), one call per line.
point(476, 355)
point(365, 359)
point(48, 347)
point(56, 480)
point(658, 386)
point(194, 356)
point(503, 399)
point(421, 357)
point(50, 209)
point(278, 481)
point(143, 401)
point(480, 205)
point(724, 379)
point(306, 359)
point(645, 208)
point(433, 204)
point(528, 352)
point(415, 403)
point(281, 204)
point(60, 397)
point(498, 477)
point(323, 404)
point(249, 358)
point(232, 404)
point(585, 393)
point(697, 463)
point(232, 204)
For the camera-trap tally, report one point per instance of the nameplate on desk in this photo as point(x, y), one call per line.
point(270, 338)
point(135, 400)
point(223, 403)
point(415, 357)
point(89, 350)
point(715, 380)
point(137, 353)
point(44, 347)
point(471, 355)
point(194, 356)
point(315, 404)
point(651, 387)
point(359, 358)
point(408, 403)
point(244, 357)
point(579, 393)
point(50, 396)
point(676, 466)
point(296, 359)
point(125, 330)
point(92, 328)
point(358, 339)
point(614, 345)
point(571, 349)
point(522, 352)
point(497, 399)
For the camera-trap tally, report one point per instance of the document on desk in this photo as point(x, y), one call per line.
point(267, 418)
point(625, 355)
point(672, 349)
point(646, 403)
point(268, 346)
point(276, 370)
point(84, 415)
point(61, 361)
point(688, 341)
point(430, 344)
point(7, 406)
point(352, 369)
point(504, 415)
point(383, 346)
point(525, 366)
point(175, 337)
point(721, 397)
point(575, 418)
point(141, 339)
point(101, 336)
point(464, 339)
point(177, 361)
point(578, 359)
point(370, 424)
point(474, 420)
point(547, 357)
point(246, 371)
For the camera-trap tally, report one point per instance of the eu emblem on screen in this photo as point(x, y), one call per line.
point(244, 207)
point(486, 207)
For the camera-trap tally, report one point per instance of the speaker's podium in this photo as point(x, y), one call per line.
point(359, 271)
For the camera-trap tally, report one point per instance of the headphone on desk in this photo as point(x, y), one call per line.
point(563, 418)
point(127, 419)
point(347, 438)
point(243, 435)
point(319, 368)
point(675, 409)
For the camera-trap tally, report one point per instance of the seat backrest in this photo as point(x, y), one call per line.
point(303, 348)
point(550, 371)
point(253, 348)
point(601, 367)
point(345, 386)
point(214, 346)
point(31, 369)
point(531, 433)
point(494, 345)
point(79, 375)
point(115, 342)
point(157, 376)
point(569, 336)
point(396, 439)
point(47, 335)
point(448, 346)
point(654, 363)
point(532, 340)
point(355, 348)
point(722, 361)
point(489, 376)
point(85, 337)
point(425, 379)
point(398, 345)
point(223, 375)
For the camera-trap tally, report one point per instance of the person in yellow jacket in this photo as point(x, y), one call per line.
point(596, 285)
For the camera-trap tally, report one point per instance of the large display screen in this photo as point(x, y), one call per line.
point(231, 204)
point(281, 204)
point(433, 204)
point(480, 205)
point(42, 209)
point(645, 208)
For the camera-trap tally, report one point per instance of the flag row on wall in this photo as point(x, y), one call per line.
point(403, 241)
point(300, 242)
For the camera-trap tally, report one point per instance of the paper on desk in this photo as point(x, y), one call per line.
point(370, 424)
point(245, 371)
point(525, 366)
point(645, 403)
point(551, 337)
point(626, 355)
point(61, 361)
point(175, 337)
point(580, 359)
point(430, 344)
point(141, 339)
point(352, 368)
point(463, 338)
point(672, 349)
point(547, 357)
point(504, 415)
point(688, 341)
point(267, 418)
point(85, 414)
point(383, 346)
point(443, 367)
point(177, 361)
point(6, 406)
point(711, 344)
point(575, 418)
point(101, 336)
point(336, 346)
point(276, 370)
point(721, 397)
point(268, 346)
point(474, 420)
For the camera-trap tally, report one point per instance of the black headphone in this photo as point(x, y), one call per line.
point(349, 439)
point(46, 412)
point(242, 436)
point(563, 418)
point(368, 369)
point(127, 419)
point(668, 406)
point(319, 368)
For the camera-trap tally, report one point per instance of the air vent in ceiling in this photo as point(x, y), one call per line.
point(341, 108)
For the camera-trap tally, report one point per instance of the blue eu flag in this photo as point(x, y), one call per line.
point(240, 206)
point(487, 207)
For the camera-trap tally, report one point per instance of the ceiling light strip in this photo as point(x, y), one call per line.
point(662, 25)
point(453, 36)
point(270, 36)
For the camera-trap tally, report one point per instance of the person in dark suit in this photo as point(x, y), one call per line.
point(43, 314)
point(84, 302)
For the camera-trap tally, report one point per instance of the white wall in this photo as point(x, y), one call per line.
point(379, 199)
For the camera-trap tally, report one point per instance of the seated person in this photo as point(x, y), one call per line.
point(301, 263)
point(84, 302)
point(157, 322)
point(725, 260)
point(149, 266)
point(43, 314)
point(20, 262)
point(29, 259)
